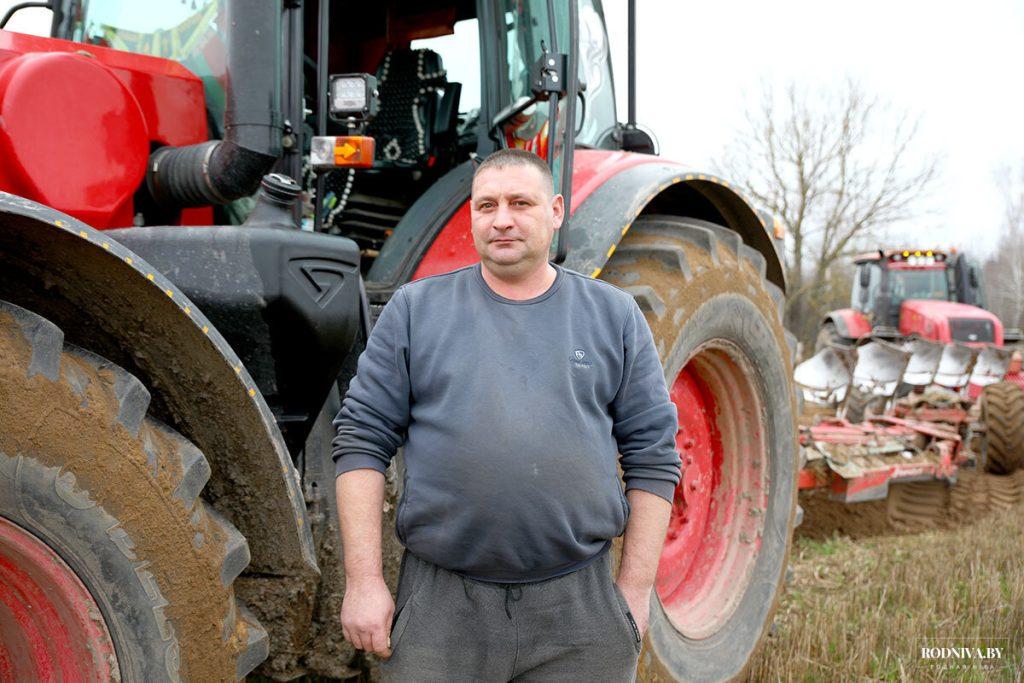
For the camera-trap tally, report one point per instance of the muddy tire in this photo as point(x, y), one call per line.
point(718, 332)
point(917, 505)
point(979, 493)
point(1002, 412)
point(87, 475)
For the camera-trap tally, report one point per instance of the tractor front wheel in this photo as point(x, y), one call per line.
point(716, 325)
point(111, 565)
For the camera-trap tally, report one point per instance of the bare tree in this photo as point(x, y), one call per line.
point(836, 168)
point(1004, 270)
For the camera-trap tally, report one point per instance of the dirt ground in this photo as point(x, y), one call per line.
point(868, 600)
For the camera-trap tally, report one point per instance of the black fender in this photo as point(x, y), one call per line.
point(604, 217)
point(109, 300)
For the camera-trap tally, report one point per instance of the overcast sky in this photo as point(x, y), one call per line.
point(956, 65)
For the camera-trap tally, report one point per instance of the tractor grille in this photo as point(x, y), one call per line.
point(971, 330)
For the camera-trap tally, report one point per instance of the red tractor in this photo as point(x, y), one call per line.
point(927, 293)
point(903, 369)
point(177, 325)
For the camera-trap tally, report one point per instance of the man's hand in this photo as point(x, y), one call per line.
point(641, 549)
point(366, 613)
point(639, 601)
point(367, 607)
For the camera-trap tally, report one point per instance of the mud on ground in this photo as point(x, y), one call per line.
point(911, 508)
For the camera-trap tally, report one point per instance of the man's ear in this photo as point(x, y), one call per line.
point(558, 210)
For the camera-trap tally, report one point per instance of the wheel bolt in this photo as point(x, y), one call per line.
point(689, 460)
point(688, 443)
point(693, 486)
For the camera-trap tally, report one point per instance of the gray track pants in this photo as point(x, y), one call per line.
point(575, 627)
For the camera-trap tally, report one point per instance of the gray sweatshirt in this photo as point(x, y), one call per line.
point(511, 414)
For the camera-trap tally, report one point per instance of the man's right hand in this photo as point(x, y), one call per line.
point(366, 612)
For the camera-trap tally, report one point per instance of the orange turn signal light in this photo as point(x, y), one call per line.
point(342, 151)
point(353, 151)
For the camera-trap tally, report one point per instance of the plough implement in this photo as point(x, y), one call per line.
point(892, 412)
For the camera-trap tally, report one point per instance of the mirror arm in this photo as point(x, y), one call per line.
point(23, 5)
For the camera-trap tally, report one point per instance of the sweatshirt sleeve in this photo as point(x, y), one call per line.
point(372, 423)
point(645, 419)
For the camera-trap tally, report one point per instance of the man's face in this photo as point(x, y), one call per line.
point(514, 218)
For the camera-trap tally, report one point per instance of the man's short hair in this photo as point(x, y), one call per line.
point(517, 157)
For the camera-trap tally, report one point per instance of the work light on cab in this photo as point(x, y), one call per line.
point(353, 101)
point(353, 98)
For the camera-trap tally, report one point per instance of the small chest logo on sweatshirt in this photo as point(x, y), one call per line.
point(579, 359)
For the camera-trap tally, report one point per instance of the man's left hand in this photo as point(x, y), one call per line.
point(639, 601)
point(641, 549)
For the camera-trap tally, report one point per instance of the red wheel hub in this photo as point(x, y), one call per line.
point(50, 626)
point(714, 534)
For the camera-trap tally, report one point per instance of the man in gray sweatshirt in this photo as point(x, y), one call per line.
point(513, 385)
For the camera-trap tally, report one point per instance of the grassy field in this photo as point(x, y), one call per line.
point(863, 609)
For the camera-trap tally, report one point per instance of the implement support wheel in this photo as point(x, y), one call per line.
point(111, 565)
point(716, 323)
point(1002, 412)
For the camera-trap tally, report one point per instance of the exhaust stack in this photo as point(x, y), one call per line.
point(221, 171)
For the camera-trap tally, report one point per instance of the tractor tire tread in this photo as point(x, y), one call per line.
point(257, 646)
point(646, 265)
point(647, 299)
point(671, 254)
point(700, 234)
point(755, 259)
point(778, 296)
point(729, 238)
point(1002, 407)
point(176, 468)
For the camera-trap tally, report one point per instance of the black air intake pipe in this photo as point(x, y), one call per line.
point(220, 171)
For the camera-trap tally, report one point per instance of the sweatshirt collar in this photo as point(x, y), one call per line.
point(559, 275)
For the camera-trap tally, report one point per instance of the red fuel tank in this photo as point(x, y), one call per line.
point(77, 123)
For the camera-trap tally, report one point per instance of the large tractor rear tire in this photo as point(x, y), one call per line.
point(1002, 412)
point(111, 565)
point(718, 331)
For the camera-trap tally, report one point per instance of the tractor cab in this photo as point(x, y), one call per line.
point(885, 279)
point(925, 292)
point(446, 80)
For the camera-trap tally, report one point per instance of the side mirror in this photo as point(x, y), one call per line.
point(508, 113)
point(865, 277)
point(972, 277)
point(633, 139)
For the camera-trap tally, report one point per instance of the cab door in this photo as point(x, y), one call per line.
point(967, 280)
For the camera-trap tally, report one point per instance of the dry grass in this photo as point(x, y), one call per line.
point(862, 610)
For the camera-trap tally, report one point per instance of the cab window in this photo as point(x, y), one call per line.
point(863, 298)
point(595, 120)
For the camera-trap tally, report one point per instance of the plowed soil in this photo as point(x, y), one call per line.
point(911, 508)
